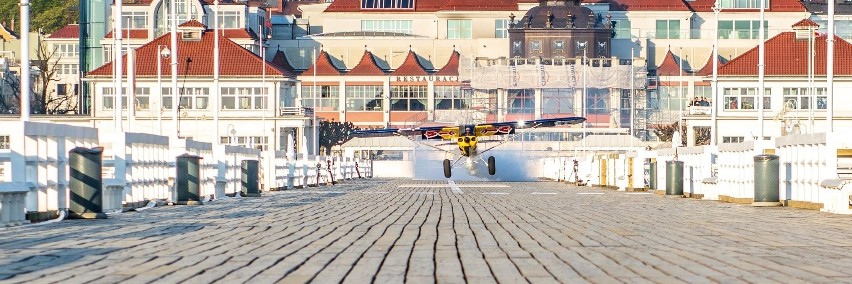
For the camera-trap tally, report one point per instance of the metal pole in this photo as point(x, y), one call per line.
point(681, 97)
point(263, 83)
point(174, 56)
point(715, 84)
point(217, 94)
point(131, 81)
point(761, 66)
point(632, 93)
point(25, 60)
point(811, 91)
point(160, 90)
point(829, 70)
point(119, 69)
point(314, 112)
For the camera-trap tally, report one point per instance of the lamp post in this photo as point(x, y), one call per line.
point(829, 70)
point(314, 112)
point(162, 52)
point(173, 40)
point(761, 69)
point(632, 93)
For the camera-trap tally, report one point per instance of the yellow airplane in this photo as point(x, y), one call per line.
point(466, 137)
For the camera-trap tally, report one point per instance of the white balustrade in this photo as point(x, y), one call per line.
point(12, 199)
point(140, 170)
point(207, 166)
point(38, 159)
point(229, 161)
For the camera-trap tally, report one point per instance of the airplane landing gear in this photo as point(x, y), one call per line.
point(492, 167)
point(447, 168)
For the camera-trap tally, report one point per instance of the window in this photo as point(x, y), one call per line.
point(243, 98)
point(229, 19)
point(742, 29)
point(108, 94)
point(733, 139)
point(408, 98)
point(557, 101)
point(459, 29)
point(61, 90)
point(66, 69)
point(190, 98)
point(134, 20)
point(668, 29)
point(328, 97)
point(673, 97)
point(535, 46)
point(558, 46)
point(500, 28)
point(387, 4)
point(742, 4)
point(396, 26)
point(745, 98)
point(705, 92)
point(800, 98)
point(364, 98)
point(257, 142)
point(66, 50)
point(597, 101)
point(142, 98)
point(521, 100)
point(622, 28)
point(451, 97)
point(5, 142)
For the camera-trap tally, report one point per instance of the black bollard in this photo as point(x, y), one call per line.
point(249, 178)
point(188, 185)
point(86, 184)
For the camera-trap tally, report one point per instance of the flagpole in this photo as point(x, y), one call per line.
point(829, 70)
point(761, 69)
point(119, 69)
point(217, 93)
point(174, 70)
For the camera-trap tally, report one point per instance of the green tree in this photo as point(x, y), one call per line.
point(333, 133)
point(47, 15)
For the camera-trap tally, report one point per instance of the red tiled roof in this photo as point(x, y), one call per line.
point(452, 66)
point(281, 61)
point(237, 33)
point(68, 31)
point(774, 6)
point(787, 56)
point(192, 24)
point(670, 66)
point(134, 33)
point(707, 70)
point(647, 5)
point(410, 67)
point(136, 2)
point(805, 24)
point(324, 66)
point(367, 66)
point(430, 6)
point(235, 61)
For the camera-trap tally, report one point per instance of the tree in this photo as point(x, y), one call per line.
point(47, 15)
point(44, 100)
point(666, 132)
point(333, 133)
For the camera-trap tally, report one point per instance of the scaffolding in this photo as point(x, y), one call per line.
point(611, 74)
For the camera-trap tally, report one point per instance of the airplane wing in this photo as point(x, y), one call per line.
point(504, 128)
point(433, 132)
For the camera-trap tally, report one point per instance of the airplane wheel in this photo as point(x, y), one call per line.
point(447, 169)
point(492, 166)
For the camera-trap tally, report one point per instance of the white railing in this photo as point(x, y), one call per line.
point(13, 196)
point(229, 161)
point(275, 169)
point(136, 170)
point(697, 166)
point(805, 162)
point(735, 179)
point(38, 159)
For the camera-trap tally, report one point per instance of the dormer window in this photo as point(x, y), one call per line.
point(191, 35)
point(387, 4)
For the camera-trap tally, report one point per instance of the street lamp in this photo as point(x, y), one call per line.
point(715, 82)
point(162, 52)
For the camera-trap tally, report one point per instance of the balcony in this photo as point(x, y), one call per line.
point(297, 111)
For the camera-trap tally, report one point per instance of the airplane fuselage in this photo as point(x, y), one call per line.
point(467, 145)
